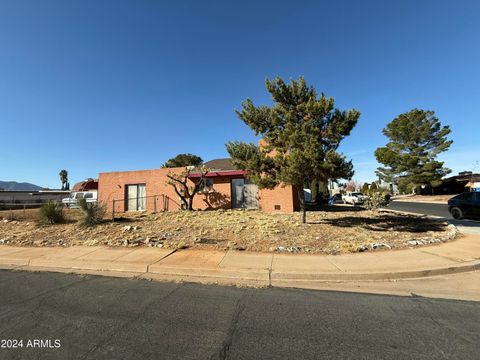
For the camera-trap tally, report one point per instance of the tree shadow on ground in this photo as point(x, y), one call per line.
point(334, 208)
point(386, 222)
point(125, 219)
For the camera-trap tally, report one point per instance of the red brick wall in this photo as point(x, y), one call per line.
point(220, 198)
point(112, 185)
point(280, 196)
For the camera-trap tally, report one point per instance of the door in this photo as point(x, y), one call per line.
point(237, 193)
point(142, 200)
point(136, 197)
point(244, 194)
point(250, 195)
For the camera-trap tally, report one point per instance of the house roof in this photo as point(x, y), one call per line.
point(219, 173)
point(220, 167)
point(89, 184)
point(464, 176)
point(220, 164)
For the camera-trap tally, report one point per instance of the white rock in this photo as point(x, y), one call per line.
point(414, 242)
point(380, 246)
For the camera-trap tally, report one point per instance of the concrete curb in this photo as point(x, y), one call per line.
point(374, 276)
point(256, 277)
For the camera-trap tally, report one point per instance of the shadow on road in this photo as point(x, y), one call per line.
point(465, 223)
point(389, 222)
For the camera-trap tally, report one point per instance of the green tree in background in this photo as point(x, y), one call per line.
point(302, 132)
point(64, 179)
point(365, 188)
point(416, 138)
point(182, 160)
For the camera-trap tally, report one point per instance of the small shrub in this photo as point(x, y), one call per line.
point(377, 199)
point(51, 213)
point(349, 247)
point(374, 201)
point(92, 213)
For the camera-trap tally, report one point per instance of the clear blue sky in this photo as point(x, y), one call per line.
point(94, 86)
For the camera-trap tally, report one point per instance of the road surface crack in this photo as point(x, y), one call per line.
point(224, 351)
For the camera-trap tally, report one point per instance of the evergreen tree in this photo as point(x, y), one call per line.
point(301, 134)
point(416, 138)
point(182, 160)
point(365, 188)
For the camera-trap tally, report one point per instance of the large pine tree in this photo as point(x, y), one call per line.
point(301, 133)
point(416, 138)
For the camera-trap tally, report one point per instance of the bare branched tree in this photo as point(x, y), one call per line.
point(187, 186)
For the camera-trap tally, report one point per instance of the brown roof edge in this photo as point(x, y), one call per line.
point(220, 164)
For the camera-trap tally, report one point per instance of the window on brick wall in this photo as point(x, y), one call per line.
point(136, 199)
point(206, 187)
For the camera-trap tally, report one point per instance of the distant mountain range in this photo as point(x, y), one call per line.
point(13, 185)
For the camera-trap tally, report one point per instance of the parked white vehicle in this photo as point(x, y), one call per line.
point(354, 198)
point(76, 196)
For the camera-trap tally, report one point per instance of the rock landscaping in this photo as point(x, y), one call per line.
point(340, 230)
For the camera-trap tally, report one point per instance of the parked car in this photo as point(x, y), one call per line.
point(466, 205)
point(354, 198)
point(76, 196)
point(334, 199)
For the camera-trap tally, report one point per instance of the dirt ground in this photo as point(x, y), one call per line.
point(339, 230)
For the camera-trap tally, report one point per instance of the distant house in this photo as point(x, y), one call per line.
point(227, 188)
point(463, 182)
point(86, 185)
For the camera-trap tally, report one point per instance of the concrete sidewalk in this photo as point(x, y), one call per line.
point(247, 268)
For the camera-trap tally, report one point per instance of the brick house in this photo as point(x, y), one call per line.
point(86, 185)
point(227, 188)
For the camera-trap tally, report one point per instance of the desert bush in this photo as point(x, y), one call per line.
point(92, 213)
point(51, 213)
point(377, 199)
point(374, 201)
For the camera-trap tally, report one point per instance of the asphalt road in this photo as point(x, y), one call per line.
point(470, 226)
point(421, 208)
point(109, 318)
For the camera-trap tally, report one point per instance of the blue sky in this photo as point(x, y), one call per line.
point(94, 86)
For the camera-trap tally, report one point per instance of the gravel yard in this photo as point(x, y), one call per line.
point(339, 230)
